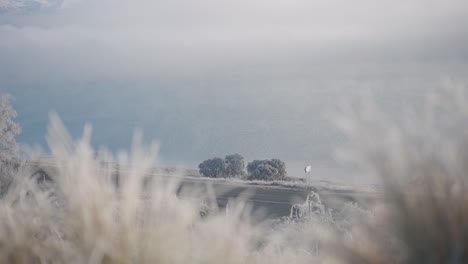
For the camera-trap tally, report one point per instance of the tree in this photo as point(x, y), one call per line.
point(234, 165)
point(213, 168)
point(231, 166)
point(8, 128)
point(8, 147)
point(269, 170)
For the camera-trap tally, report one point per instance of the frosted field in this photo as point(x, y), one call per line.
point(419, 216)
point(270, 199)
point(368, 99)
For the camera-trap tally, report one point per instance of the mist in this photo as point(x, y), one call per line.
point(258, 78)
point(115, 103)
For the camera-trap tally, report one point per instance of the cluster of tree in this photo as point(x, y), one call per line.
point(231, 166)
point(268, 170)
point(234, 166)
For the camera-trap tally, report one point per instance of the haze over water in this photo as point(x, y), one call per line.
point(257, 78)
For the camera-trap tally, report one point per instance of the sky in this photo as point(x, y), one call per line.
point(208, 78)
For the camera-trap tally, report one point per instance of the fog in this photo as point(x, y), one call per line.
point(208, 78)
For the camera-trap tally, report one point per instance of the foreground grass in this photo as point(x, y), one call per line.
point(81, 217)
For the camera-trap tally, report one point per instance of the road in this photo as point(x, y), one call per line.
point(271, 201)
point(276, 201)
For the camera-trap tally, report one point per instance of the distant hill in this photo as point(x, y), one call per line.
point(23, 6)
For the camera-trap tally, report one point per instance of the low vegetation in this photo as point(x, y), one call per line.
point(79, 216)
point(231, 166)
point(234, 166)
point(269, 170)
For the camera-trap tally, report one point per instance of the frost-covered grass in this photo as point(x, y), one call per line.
point(297, 184)
point(422, 163)
point(81, 217)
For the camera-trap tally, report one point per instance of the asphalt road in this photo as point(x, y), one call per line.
point(266, 200)
point(275, 201)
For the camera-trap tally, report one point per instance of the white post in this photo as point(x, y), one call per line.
point(307, 171)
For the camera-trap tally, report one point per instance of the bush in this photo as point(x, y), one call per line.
point(233, 165)
point(9, 161)
point(268, 170)
point(213, 168)
point(8, 128)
